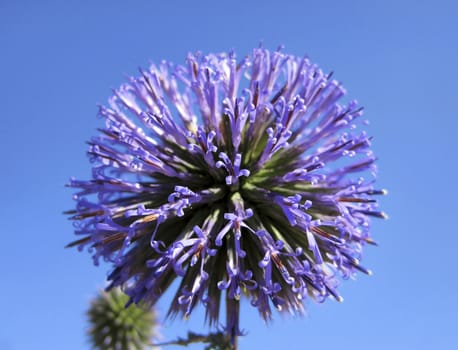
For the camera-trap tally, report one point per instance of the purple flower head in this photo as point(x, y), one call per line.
point(241, 178)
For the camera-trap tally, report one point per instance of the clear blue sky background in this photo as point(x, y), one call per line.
point(398, 58)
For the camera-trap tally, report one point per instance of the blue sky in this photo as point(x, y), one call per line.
point(58, 59)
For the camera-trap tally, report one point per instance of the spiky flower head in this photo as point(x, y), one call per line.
point(113, 326)
point(237, 177)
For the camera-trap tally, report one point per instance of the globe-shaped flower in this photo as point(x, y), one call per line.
point(115, 327)
point(240, 178)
